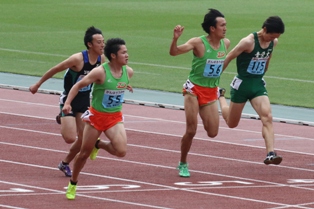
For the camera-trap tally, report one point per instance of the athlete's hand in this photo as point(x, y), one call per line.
point(177, 31)
point(34, 88)
point(66, 109)
point(130, 88)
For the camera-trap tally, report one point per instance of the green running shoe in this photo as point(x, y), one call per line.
point(94, 152)
point(71, 191)
point(183, 170)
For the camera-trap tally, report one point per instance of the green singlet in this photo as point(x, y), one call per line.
point(108, 96)
point(206, 70)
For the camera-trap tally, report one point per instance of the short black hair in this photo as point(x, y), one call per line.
point(113, 46)
point(210, 19)
point(274, 24)
point(89, 35)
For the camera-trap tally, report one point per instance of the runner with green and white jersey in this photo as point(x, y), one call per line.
point(251, 68)
point(253, 54)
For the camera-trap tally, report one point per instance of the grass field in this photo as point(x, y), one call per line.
point(37, 34)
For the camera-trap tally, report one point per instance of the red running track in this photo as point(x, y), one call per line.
point(226, 172)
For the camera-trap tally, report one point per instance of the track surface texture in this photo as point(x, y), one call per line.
point(227, 172)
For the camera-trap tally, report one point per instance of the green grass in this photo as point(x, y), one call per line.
point(37, 34)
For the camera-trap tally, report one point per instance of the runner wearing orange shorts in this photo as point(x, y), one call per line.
point(201, 89)
point(110, 80)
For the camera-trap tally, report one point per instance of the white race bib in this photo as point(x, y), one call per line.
point(236, 82)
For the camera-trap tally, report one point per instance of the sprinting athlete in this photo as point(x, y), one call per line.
point(77, 66)
point(110, 80)
point(253, 54)
point(201, 89)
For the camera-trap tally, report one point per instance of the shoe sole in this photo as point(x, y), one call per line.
point(184, 176)
point(70, 197)
point(276, 161)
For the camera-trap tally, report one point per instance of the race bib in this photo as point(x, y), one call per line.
point(85, 88)
point(62, 98)
point(113, 98)
point(188, 85)
point(85, 116)
point(257, 66)
point(264, 82)
point(236, 82)
point(213, 68)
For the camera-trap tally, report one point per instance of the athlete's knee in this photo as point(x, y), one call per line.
point(190, 131)
point(232, 125)
point(212, 134)
point(76, 146)
point(69, 140)
point(83, 155)
point(267, 119)
point(121, 154)
point(68, 136)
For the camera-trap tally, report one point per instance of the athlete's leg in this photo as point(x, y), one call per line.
point(231, 114)
point(117, 144)
point(76, 146)
point(210, 117)
point(262, 107)
point(191, 109)
point(90, 136)
point(68, 129)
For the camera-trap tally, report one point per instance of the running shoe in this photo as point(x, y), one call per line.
point(71, 192)
point(65, 169)
point(272, 158)
point(94, 152)
point(222, 92)
point(183, 170)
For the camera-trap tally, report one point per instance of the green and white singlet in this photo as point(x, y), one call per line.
point(252, 65)
point(249, 83)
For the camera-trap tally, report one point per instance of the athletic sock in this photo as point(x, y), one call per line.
point(96, 144)
point(73, 183)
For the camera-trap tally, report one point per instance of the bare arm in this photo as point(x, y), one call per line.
point(70, 62)
point(267, 64)
point(97, 75)
point(227, 43)
point(244, 45)
point(130, 74)
point(174, 48)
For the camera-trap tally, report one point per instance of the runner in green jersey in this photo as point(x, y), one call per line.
point(253, 54)
point(201, 89)
point(110, 80)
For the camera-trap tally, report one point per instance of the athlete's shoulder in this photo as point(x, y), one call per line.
point(227, 42)
point(103, 58)
point(129, 70)
point(76, 57)
point(246, 43)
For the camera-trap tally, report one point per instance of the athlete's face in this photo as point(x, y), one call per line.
point(98, 44)
point(221, 27)
point(122, 55)
point(271, 36)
